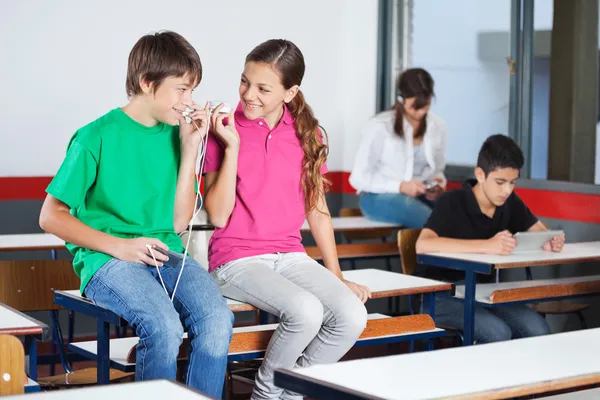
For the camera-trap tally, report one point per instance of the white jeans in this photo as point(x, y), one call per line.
point(321, 318)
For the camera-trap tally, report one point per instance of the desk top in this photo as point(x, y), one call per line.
point(345, 224)
point(31, 241)
point(572, 253)
point(157, 389)
point(13, 322)
point(508, 369)
point(390, 284)
point(590, 394)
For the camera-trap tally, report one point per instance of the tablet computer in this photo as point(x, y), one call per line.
point(533, 241)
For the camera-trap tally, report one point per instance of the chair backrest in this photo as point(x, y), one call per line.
point(29, 285)
point(12, 366)
point(407, 246)
point(358, 235)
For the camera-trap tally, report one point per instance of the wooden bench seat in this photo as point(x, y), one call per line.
point(357, 250)
point(507, 292)
point(253, 339)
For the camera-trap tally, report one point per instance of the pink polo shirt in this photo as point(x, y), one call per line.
point(269, 206)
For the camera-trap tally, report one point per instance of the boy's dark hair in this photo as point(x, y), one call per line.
point(158, 56)
point(499, 151)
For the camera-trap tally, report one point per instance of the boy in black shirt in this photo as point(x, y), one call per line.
point(482, 217)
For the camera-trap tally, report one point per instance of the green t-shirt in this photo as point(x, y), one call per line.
point(120, 178)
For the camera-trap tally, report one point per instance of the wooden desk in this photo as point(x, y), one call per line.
point(31, 242)
point(157, 389)
point(484, 264)
point(353, 224)
point(491, 371)
point(589, 394)
point(13, 322)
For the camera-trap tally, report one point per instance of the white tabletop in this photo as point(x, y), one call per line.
point(29, 241)
point(572, 252)
point(354, 223)
point(484, 291)
point(385, 281)
point(17, 323)
point(467, 370)
point(590, 394)
point(157, 389)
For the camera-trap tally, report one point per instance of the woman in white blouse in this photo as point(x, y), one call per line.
point(399, 168)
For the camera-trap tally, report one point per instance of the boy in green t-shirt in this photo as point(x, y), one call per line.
point(128, 181)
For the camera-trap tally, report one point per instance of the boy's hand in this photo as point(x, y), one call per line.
point(191, 134)
point(501, 244)
point(228, 134)
point(135, 250)
point(556, 244)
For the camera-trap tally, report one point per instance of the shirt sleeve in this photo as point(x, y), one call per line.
point(365, 176)
point(441, 220)
point(75, 176)
point(521, 217)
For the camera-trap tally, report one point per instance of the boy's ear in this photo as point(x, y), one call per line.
point(479, 175)
point(145, 85)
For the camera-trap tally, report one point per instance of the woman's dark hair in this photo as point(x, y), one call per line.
point(418, 83)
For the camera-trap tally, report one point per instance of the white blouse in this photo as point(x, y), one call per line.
point(385, 160)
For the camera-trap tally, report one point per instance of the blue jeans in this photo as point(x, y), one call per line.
point(492, 324)
point(398, 208)
point(134, 292)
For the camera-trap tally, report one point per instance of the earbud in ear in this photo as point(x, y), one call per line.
point(400, 99)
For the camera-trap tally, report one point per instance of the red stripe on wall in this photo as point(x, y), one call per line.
point(544, 203)
point(24, 188)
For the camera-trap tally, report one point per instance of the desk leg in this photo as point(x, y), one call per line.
point(429, 305)
point(31, 344)
point(469, 317)
point(103, 351)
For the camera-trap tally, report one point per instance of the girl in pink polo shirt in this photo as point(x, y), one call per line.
point(264, 177)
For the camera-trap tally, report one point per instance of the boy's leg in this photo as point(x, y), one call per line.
point(207, 320)
point(253, 280)
point(523, 321)
point(488, 327)
point(131, 291)
point(395, 208)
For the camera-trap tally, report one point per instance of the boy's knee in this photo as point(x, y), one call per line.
point(163, 333)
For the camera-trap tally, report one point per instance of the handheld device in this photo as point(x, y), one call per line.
point(534, 241)
point(430, 184)
point(226, 109)
point(174, 258)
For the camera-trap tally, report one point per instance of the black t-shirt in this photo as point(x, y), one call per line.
point(457, 215)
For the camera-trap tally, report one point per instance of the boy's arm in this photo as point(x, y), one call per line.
point(185, 195)
point(55, 218)
point(430, 242)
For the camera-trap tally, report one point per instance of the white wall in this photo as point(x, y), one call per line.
point(472, 94)
point(64, 63)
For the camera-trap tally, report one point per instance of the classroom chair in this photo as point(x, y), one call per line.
point(29, 286)
point(12, 366)
point(407, 241)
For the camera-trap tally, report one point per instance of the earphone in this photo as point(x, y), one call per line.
point(199, 167)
